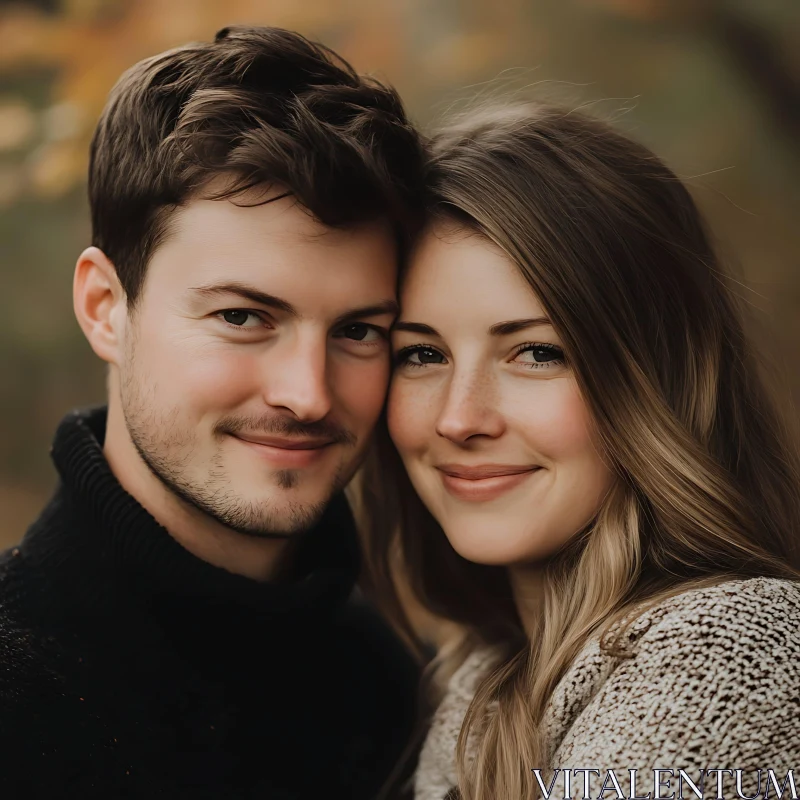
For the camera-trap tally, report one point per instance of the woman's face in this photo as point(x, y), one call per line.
point(484, 410)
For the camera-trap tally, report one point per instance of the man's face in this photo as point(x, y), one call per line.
point(256, 360)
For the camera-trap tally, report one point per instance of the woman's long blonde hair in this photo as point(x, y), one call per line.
point(707, 483)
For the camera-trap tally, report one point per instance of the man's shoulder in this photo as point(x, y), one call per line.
point(372, 667)
point(42, 721)
point(15, 635)
point(378, 679)
point(25, 667)
point(360, 626)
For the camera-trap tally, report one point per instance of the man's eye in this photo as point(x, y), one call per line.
point(239, 317)
point(361, 332)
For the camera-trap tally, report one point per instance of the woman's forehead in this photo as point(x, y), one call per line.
point(465, 273)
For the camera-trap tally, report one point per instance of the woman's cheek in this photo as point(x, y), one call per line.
point(553, 417)
point(408, 415)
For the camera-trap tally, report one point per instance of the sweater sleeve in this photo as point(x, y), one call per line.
point(713, 684)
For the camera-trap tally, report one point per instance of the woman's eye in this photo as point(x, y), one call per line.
point(239, 318)
point(419, 356)
point(361, 332)
point(538, 356)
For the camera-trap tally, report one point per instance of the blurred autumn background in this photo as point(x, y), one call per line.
point(712, 85)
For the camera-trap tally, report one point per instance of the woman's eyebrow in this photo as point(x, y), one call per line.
point(500, 329)
point(415, 327)
point(516, 325)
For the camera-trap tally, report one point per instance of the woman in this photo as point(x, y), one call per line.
point(602, 500)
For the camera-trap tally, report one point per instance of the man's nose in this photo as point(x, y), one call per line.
point(296, 378)
point(470, 409)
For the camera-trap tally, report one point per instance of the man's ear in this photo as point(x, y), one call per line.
point(100, 304)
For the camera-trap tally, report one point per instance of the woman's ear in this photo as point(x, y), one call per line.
point(100, 304)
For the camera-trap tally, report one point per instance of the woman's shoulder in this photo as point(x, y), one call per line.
point(696, 666)
point(744, 615)
point(472, 670)
point(741, 593)
point(758, 609)
point(728, 644)
point(435, 774)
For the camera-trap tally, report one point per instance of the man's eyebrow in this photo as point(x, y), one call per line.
point(376, 310)
point(262, 298)
point(247, 292)
point(415, 327)
point(516, 325)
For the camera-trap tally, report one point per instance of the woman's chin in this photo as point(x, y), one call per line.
point(484, 546)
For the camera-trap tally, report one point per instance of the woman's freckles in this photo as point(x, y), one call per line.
point(485, 411)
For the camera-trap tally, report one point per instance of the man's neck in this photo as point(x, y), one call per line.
point(197, 532)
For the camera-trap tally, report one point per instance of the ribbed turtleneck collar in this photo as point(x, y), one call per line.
point(97, 543)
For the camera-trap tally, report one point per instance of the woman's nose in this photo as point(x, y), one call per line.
point(470, 409)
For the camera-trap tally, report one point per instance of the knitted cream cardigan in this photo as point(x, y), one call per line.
point(713, 683)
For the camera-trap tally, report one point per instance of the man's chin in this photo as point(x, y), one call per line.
point(280, 503)
point(272, 517)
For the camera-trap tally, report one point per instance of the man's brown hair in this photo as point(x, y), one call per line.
point(263, 107)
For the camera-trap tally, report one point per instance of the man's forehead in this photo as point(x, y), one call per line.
point(216, 241)
point(269, 213)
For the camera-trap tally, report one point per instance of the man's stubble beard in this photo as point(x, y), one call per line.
point(167, 450)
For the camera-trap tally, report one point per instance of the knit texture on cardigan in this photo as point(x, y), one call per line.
point(709, 679)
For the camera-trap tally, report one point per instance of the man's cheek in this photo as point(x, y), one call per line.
point(363, 392)
point(214, 382)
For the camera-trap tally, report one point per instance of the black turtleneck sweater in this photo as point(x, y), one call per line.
point(131, 669)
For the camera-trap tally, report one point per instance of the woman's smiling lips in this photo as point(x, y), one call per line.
point(485, 481)
point(286, 453)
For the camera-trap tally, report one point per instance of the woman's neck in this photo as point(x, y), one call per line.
point(527, 585)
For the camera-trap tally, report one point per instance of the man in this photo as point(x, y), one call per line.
point(176, 624)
